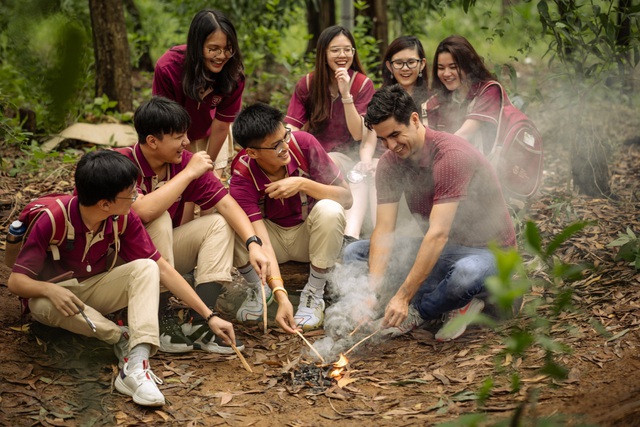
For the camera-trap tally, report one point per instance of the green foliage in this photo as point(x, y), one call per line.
point(629, 245)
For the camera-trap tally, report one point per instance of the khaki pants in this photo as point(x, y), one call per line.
point(206, 242)
point(133, 285)
point(317, 240)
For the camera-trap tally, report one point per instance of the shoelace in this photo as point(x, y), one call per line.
point(146, 373)
point(312, 298)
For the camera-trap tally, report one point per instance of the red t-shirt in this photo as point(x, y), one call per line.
point(205, 191)
point(36, 261)
point(250, 195)
point(167, 82)
point(449, 115)
point(335, 136)
point(449, 170)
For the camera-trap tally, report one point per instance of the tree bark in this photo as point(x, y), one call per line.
point(377, 12)
point(320, 15)
point(111, 50)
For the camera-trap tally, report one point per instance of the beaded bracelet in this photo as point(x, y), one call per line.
point(348, 100)
point(280, 288)
point(270, 279)
point(211, 316)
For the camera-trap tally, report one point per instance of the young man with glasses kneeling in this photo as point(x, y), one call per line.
point(296, 198)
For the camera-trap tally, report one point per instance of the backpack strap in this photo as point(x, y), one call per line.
point(494, 154)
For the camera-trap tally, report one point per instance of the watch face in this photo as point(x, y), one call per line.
point(253, 239)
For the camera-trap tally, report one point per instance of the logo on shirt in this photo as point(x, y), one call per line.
point(215, 100)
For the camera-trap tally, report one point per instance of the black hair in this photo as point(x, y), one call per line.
point(467, 60)
point(390, 102)
point(196, 77)
point(102, 174)
point(421, 89)
point(255, 123)
point(160, 116)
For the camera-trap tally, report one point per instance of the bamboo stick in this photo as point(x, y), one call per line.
point(264, 308)
point(361, 341)
point(242, 359)
point(310, 346)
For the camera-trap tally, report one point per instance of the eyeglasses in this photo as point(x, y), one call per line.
point(398, 64)
point(217, 51)
point(132, 198)
point(279, 148)
point(336, 51)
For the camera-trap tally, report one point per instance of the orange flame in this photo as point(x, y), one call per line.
point(338, 367)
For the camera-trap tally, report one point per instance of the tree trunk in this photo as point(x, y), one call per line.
point(145, 63)
point(589, 166)
point(377, 12)
point(320, 15)
point(111, 49)
point(623, 40)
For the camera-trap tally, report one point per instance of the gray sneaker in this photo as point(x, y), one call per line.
point(252, 307)
point(412, 322)
point(452, 330)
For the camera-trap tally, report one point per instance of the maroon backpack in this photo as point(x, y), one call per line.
point(517, 151)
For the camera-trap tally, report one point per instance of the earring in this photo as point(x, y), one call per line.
point(420, 74)
point(393, 77)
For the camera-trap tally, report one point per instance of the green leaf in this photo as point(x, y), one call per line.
point(565, 235)
point(533, 241)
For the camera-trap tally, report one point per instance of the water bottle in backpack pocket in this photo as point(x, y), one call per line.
point(15, 237)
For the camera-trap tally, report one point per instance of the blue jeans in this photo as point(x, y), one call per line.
point(457, 277)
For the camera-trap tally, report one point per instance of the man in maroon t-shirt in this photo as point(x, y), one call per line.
point(295, 197)
point(78, 287)
point(455, 191)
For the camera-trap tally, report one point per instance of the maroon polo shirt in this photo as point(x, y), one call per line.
point(335, 136)
point(205, 191)
point(89, 254)
point(249, 191)
point(449, 115)
point(449, 170)
point(167, 82)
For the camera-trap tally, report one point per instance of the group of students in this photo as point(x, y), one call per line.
point(288, 199)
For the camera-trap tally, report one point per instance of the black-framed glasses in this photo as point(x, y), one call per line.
point(346, 50)
point(279, 148)
point(217, 51)
point(132, 198)
point(398, 64)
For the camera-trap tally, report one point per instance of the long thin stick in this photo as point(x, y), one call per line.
point(360, 342)
point(357, 327)
point(264, 308)
point(311, 347)
point(242, 359)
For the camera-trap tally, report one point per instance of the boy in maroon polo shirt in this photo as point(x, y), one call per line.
point(454, 190)
point(298, 214)
point(171, 176)
point(105, 184)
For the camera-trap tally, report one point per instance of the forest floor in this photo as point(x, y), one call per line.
point(52, 378)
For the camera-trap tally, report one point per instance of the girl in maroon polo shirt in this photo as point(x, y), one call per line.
point(329, 103)
point(206, 77)
point(406, 64)
point(459, 105)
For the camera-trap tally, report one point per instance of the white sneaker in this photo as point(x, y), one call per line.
point(140, 383)
point(450, 332)
point(252, 307)
point(204, 339)
point(412, 322)
point(310, 314)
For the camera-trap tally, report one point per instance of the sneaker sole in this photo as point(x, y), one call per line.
point(122, 388)
point(175, 349)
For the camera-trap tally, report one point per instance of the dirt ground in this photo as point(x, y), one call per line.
point(51, 378)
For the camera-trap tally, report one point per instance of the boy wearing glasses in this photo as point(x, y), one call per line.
point(296, 198)
point(77, 287)
point(170, 177)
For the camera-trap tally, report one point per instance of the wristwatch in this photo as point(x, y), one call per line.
point(253, 239)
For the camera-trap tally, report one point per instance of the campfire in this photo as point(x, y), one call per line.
point(316, 377)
